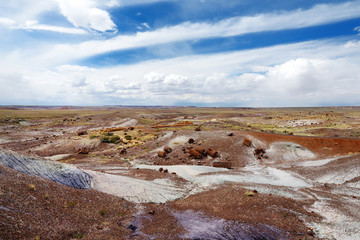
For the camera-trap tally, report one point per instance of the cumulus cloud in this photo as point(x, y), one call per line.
point(84, 13)
point(303, 74)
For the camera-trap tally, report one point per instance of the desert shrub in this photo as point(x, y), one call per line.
point(104, 139)
point(128, 137)
point(115, 139)
point(93, 136)
point(32, 187)
point(108, 134)
point(102, 212)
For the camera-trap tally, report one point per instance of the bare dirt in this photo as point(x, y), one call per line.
point(297, 177)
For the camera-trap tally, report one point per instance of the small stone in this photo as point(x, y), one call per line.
point(161, 169)
point(198, 129)
point(222, 165)
point(191, 140)
point(80, 133)
point(167, 149)
point(212, 153)
point(247, 142)
point(166, 171)
point(161, 154)
point(151, 212)
point(230, 134)
point(83, 150)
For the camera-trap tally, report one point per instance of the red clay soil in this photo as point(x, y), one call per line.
point(321, 146)
point(231, 203)
point(47, 210)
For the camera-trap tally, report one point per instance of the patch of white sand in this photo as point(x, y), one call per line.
point(289, 151)
point(269, 175)
point(136, 190)
point(199, 175)
point(339, 176)
point(187, 172)
point(335, 225)
point(316, 163)
point(58, 157)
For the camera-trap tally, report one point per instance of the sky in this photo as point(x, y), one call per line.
point(230, 53)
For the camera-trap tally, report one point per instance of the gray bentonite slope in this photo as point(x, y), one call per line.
point(58, 172)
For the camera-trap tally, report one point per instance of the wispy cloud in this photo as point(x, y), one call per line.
point(34, 25)
point(320, 14)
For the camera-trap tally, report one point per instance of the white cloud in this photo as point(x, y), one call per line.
point(319, 14)
point(303, 74)
point(84, 13)
point(34, 25)
point(7, 22)
point(357, 29)
point(21, 11)
point(146, 25)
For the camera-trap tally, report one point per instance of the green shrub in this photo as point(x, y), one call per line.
point(93, 136)
point(108, 134)
point(104, 139)
point(128, 137)
point(102, 212)
point(115, 139)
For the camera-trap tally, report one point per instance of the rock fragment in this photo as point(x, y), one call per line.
point(161, 154)
point(167, 149)
point(212, 153)
point(222, 165)
point(195, 154)
point(247, 142)
point(83, 150)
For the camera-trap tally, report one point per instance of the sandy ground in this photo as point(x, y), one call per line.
point(301, 187)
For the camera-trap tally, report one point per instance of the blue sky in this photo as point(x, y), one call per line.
point(254, 53)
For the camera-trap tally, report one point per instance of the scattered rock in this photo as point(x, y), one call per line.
point(212, 153)
point(195, 154)
point(247, 142)
point(161, 154)
point(151, 212)
point(131, 128)
point(123, 151)
point(259, 152)
point(167, 149)
point(230, 134)
point(198, 129)
point(161, 169)
point(201, 150)
point(191, 140)
point(80, 133)
point(222, 165)
point(166, 171)
point(83, 150)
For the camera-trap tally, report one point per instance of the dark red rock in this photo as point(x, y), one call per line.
point(247, 142)
point(83, 150)
point(195, 154)
point(212, 153)
point(161, 154)
point(80, 133)
point(222, 164)
point(167, 149)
